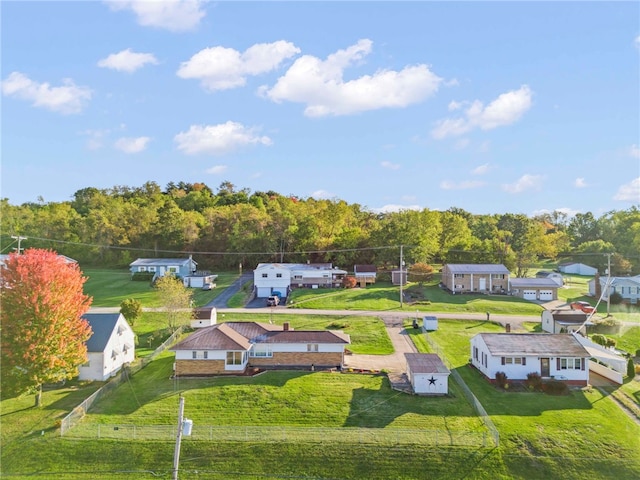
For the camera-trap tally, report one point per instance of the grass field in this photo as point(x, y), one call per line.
point(581, 436)
point(109, 287)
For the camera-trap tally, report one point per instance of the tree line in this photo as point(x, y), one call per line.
point(229, 227)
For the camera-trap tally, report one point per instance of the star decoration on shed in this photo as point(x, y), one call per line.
point(432, 381)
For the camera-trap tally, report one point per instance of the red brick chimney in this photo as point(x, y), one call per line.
point(285, 326)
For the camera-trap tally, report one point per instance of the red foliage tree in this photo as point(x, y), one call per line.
point(349, 281)
point(43, 335)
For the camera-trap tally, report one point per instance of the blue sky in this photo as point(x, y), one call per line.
point(492, 107)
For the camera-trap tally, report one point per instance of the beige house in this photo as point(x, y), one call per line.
point(475, 278)
point(232, 347)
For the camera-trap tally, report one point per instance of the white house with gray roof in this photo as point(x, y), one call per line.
point(475, 278)
point(627, 287)
point(280, 278)
point(557, 356)
point(110, 346)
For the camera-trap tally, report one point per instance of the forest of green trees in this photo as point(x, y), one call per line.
point(228, 227)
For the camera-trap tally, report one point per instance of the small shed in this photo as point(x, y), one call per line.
point(429, 323)
point(427, 373)
point(577, 268)
point(399, 277)
point(204, 317)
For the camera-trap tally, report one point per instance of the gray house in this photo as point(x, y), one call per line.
point(627, 287)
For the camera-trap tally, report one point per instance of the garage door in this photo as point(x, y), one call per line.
point(529, 294)
point(546, 294)
point(264, 292)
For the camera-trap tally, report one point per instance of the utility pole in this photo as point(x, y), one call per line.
point(176, 452)
point(401, 275)
point(608, 285)
point(19, 238)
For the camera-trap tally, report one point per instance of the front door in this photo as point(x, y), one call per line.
point(544, 367)
point(483, 284)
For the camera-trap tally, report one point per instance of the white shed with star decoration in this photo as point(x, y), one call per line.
point(427, 373)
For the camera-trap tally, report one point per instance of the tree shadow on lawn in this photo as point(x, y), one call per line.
point(497, 401)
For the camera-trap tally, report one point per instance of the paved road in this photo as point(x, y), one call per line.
point(221, 300)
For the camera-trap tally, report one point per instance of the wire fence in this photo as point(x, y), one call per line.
point(475, 403)
point(280, 434)
point(72, 419)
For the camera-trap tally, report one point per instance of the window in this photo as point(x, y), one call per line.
point(570, 364)
point(458, 275)
point(514, 361)
point(475, 353)
point(152, 269)
point(498, 276)
point(265, 275)
point(312, 347)
point(261, 351)
point(86, 364)
point(199, 355)
point(142, 269)
point(173, 269)
point(297, 277)
point(234, 358)
point(278, 275)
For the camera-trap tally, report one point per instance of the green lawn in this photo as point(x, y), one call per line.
point(428, 298)
point(566, 436)
point(109, 287)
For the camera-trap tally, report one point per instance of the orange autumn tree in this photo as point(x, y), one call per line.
point(43, 333)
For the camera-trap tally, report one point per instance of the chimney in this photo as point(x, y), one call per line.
point(285, 326)
point(507, 327)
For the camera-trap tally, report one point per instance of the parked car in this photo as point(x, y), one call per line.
point(209, 286)
point(273, 300)
point(582, 306)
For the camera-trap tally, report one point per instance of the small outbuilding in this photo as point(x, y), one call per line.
point(429, 323)
point(204, 317)
point(576, 268)
point(427, 373)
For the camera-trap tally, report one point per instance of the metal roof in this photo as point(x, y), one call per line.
point(425, 363)
point(533, 282)
point(477, 268)
point(160, 261)
point(102, 326)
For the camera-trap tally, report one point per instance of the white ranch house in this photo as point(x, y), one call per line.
point(280, 278)
point(627, 287)
point(564, 321)
point(110, 347)
point(561, 356)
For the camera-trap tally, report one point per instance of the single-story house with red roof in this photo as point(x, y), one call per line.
point(232, 347)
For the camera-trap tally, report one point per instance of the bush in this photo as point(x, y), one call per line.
point(610, 342)
point(534, 381)
point(337, 326)
point(142, 276)
point(638, 353)
point(631, 368)
point(615, 298)
point(131, 309)
point(349, 281)
point(599, 339)
point(555, 387)
point(501, 380)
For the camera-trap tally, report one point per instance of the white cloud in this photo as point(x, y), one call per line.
point(127, 61)
point(389, 165)
point(524, 183)
point(320, 85)
point(395, 208)
point(218, 139)
point(322, 195)
point(217, 169)
point(481, 169)
point(462, 143)
point(634, 151)
point(172, 15)
point(68, 98)
point(453, 105)
point(508, 108)
point(464, 185)
point(220, 68)
point(629, 192)
point(132, 145)
point(569, 212)
point(580, 183)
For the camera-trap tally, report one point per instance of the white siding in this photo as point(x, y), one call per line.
point(421, 383)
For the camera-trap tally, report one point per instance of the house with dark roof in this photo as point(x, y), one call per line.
point(564, 321)
point(365, 274)
point(110, 346)
point(427, 373)
point(232, 347)
point(558, 356)
point(540, 289)
point(475, 278)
